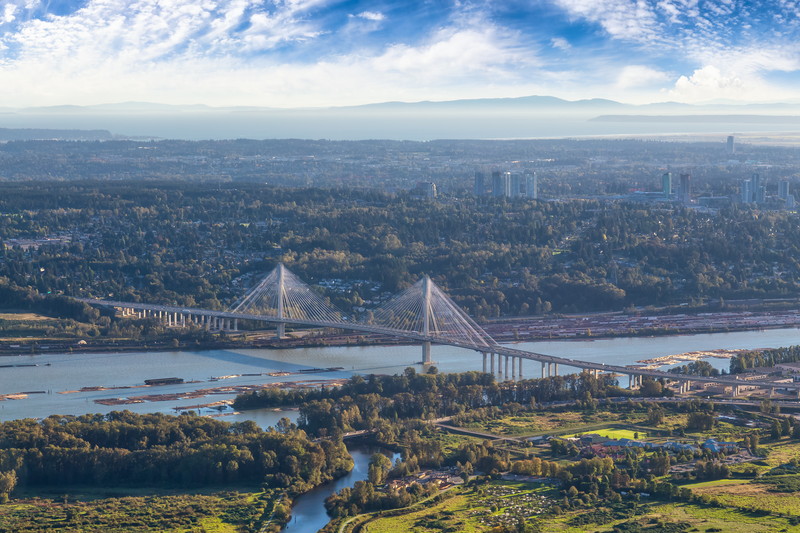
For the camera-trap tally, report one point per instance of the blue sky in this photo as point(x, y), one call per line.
point(298, 53)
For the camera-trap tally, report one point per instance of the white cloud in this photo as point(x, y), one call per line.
point(560, 43)
point(624, 19)
point(374, 16)
point(8, 13)
point(710, 83)
point(205, 51)
point(633, 76)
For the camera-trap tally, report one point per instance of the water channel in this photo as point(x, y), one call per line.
point(308, 511)
point(57, 379)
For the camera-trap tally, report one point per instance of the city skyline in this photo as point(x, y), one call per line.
point(316, 53)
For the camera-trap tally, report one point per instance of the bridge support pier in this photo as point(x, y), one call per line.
point(513, 369)
point(426, 353)
point(734, 391)
point(520, 367)
point(544, 367)
point(484, 361)
point(505, 372)
point(235, 324)
point(491, 363)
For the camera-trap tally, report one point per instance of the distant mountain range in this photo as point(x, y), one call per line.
point(538, 103)
point(523, 117)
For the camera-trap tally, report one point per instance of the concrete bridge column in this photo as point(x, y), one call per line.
point(772, 392)
point(544, 375)
point(426, 353)
point(183, 320)
point(235, 324)
point(520, 367)
point(513, 369)
point(484, 361)
point(491, 362)
point(734, 391)
point(555, 369)
point(169, 320)
point(207, 322)
point(505, 372)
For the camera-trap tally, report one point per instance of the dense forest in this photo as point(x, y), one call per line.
point(123, 448)
point(198, 244)
point(768, 357)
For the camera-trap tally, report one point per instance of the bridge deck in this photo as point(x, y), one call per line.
point(485, 347)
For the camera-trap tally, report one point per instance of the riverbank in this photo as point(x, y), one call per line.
point(519, 329)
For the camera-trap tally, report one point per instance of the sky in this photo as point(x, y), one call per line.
point(319, 53)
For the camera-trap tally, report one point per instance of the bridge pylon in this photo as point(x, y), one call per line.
point(281, 333)
point(426, 310)
point(426, 319)
point(281, 294)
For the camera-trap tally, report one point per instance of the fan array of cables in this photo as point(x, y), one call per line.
point(281, 294)
point(407, 312)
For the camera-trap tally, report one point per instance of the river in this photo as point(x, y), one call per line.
point(55, 374)
point(308, 511)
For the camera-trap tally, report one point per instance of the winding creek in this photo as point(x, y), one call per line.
point(308, 511)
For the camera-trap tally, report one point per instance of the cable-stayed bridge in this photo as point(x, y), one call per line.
point(422, 313)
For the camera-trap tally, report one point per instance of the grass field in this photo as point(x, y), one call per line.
point(24, 316)
point(464, 512)
point(782, 452)
point(743, 494)
point(222, 512)
point(539, 422)
point(468, 510)
point(614, 433)
point(698, 518)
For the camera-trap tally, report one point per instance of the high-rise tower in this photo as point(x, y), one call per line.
point(666, 185)
point(685, 191)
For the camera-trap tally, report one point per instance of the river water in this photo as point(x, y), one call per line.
point(57, 373)
point(308, 511)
